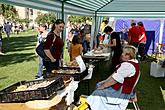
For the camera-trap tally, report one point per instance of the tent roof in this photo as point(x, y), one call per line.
point(116, 8)
point(136, 8)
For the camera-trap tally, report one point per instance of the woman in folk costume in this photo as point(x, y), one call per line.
point(115, 92)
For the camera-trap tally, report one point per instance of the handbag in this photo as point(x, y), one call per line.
point(40, 49)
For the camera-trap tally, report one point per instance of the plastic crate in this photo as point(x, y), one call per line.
point(8, 94)
point(77, 76)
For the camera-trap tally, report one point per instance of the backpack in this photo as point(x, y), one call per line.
point(40, 49)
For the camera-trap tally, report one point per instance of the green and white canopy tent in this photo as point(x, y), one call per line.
point(116, 8)
point(98, 8)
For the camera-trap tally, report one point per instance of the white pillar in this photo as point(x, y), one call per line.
point(111, 22)
point(161, 30)
point(98, 24)
point(161, 34)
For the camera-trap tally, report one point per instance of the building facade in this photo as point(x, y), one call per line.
point(25, 13)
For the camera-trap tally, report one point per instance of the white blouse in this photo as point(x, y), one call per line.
point(125, 70)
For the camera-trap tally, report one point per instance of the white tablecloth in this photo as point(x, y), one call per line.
point(90, 53)
point(73, 85)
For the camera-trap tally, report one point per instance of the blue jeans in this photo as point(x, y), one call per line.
point(40, 67)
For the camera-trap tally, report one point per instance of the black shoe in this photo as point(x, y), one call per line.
point(143, 58)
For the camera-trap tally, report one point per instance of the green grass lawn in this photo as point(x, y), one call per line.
point(151, 90)
point(20, 63)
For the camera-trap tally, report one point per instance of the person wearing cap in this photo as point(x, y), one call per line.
point(42, 34)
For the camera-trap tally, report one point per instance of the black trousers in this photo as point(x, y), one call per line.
point(116, 58)
point(51, 65)
point(141, 48)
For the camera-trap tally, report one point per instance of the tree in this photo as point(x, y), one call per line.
point(47, 18)
point(9, 12)
point(26, 20)
point(78, 19)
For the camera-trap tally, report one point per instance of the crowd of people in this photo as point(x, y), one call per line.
point(83, 32)
point(118, 89)
point(15, 28)
point(137, 38)
point(9, 28)
point(113, 41)
point(78, 40)
point(114, 92)
point(52, 47)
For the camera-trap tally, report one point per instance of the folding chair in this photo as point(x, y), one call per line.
point(134, 100)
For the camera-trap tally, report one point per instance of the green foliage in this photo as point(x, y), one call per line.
point(78, 19)
point(23, 20)
point(9, 12)
point(46, 18)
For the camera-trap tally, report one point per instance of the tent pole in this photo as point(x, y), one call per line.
point(62, 34)
point(62, 17)
point(161, 30)
point(93, 29)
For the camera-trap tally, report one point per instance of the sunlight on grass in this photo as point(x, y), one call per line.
point(66, 54)
point(19, 62)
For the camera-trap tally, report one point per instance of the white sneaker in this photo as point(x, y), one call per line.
point(40, 78)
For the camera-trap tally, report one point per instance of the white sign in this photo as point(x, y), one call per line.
point(81, 63)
